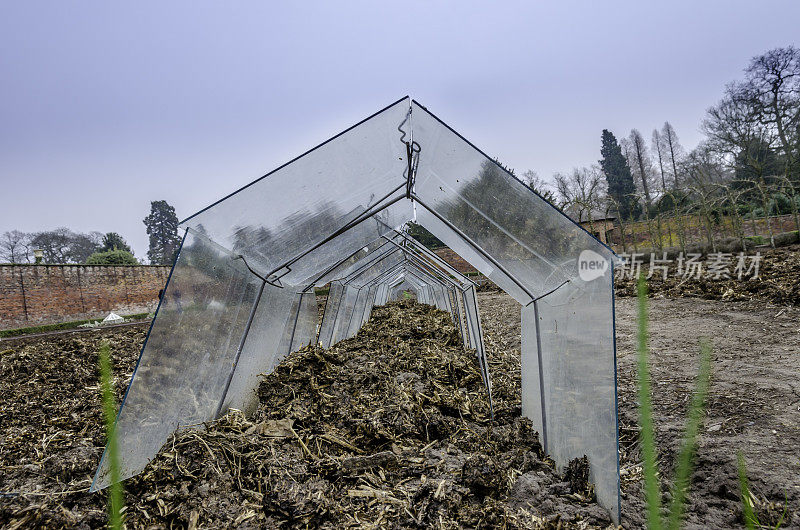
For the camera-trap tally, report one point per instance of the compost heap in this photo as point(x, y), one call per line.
point(390, 428)
point(778, 280)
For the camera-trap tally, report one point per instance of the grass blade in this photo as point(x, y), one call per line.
point(750, 519)
point(652, 492)
point(109, 418)
point(683, 469)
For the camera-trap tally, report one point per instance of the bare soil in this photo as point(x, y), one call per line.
point(753, 407)
point(405, 440)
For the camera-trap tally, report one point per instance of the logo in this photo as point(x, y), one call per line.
point(591, 265)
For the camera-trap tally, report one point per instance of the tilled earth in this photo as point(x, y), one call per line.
point(389, 428)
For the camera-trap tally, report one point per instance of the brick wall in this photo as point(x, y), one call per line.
point(31, 295)
point(455, 261)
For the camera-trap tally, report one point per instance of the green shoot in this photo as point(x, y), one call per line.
point(109, 418)
point(652, 493)
point(683, 470)
point(750, 519)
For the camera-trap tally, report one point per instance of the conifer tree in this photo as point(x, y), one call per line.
point(162, 227)
point(618, 176)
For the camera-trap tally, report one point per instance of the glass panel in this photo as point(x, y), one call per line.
point(345, 244)
point(344, 314)
point(337, 270)
point(531, 250)
point(387, 261)
point(261, 349)
point(532, 371)
point(578, 367)
point(467, 251)
point(305, 332)
point(357, 318)
point(298, 205)
point(475, 332)
point(449, 294)
point(329, 315)
point(520, 230)
point(185, 363)
point(370, 302)
point(439, 298)
point(466, 338)
point(382, 296)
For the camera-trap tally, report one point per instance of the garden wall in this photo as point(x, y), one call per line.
point(454, 260)
point(32, 295)
point(638, 234)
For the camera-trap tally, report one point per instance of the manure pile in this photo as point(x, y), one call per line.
point(389, 428)
point(778, 280)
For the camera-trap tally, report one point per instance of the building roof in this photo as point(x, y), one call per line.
point(581, 215)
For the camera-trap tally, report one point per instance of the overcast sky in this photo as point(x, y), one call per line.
point(104, 108)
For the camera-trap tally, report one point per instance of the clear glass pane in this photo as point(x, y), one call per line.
point(329, 316)
point(531, 250)
point(579, 384)
point(305, 332)
point(344, 313)
point(520, 230)
point(263, 347)
point(186, 361)
point(303, 202)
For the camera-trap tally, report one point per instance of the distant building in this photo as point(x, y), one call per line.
point(600, 226)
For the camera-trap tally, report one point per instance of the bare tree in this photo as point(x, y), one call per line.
point(731, 127)
point(658, 143)
point(62, 245)
point(641, 163)
point(55, 244)
point(532, 179)
point(733, 196)
point(675, 199)
point(704, 167)
point(15, 247)
point(738, 132)
point(673, 147)
point(772, 90)
point(580, 192)
point(705, 174)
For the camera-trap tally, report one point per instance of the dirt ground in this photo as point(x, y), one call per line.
point(754, 400)
point(51, 439)
point(753, 406)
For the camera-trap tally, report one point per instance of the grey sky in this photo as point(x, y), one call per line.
point(104, 108)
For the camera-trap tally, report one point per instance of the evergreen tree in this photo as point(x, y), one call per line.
point(162, 227)
point(112, 257)
point(421, 234)
point(114, 241)
point(619, 178)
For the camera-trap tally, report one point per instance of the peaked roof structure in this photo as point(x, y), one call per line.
point(240, 295)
